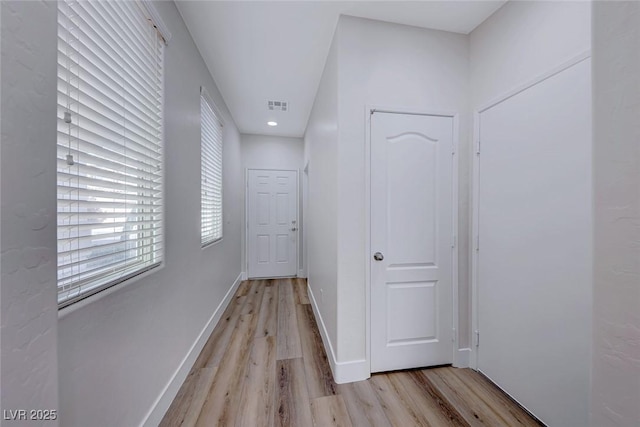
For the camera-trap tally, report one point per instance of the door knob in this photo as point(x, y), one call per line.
point(294, 229)
point(378, 256)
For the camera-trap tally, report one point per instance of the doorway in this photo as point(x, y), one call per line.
point(272, 223)
point(412, 240)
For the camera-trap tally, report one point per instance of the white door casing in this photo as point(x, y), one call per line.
point(272, 223)
point(412, 228)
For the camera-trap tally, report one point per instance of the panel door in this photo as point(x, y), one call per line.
point(411, 241)
point(272, 223)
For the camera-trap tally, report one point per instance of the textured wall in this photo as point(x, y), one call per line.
point(616, 143)
point(29, 311)
point(118, 352)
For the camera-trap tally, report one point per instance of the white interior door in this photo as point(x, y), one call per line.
point(272, 223)
point(411, 241)
point(535, 257)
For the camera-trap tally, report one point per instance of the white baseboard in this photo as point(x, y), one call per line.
point(162, 403)
point(343, 372)
point(351, 371)
point(301, 274)
point(462, 358)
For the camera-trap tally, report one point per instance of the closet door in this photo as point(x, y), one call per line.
point(535, 249)
point(411, 241)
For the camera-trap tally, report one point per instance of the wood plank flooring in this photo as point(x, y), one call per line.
point(264, 365)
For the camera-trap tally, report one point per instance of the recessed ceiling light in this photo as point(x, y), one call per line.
point(272, 123)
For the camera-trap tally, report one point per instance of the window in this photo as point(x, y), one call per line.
point(211, 166)
point(109, 161)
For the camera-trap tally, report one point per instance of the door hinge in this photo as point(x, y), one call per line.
point(478, 147)
point(454, 241)
point(453, 335)
point(478, 242)
point(477, 338)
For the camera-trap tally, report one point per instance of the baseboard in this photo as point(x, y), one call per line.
point(244, 275)
point(351, 371)
point(328, 348)
point(462, 358)
point(301, 274)
point(343, 372)
point(162, 403)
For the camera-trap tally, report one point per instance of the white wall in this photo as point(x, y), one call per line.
point(29, 310)
point(523, 40)
point(394, 66)
point(616, 306)
point(321, 152)
point(274, 152)
point(271, 152)
point(119, 351)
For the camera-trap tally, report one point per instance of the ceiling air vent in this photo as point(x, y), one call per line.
point(277, 105)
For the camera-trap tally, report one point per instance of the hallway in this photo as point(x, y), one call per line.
point(458, 183)
point(264, 364)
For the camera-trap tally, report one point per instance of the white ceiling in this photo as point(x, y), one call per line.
point(276, 50)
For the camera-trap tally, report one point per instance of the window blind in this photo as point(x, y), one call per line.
point(109, 145)
point(211, 174)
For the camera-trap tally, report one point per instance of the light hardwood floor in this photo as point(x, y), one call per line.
point(264, 365)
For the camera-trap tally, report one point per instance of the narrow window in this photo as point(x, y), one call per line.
point(211, 172)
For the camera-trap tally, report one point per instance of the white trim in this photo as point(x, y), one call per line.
point(301, 274)
point(455, 160)
point(461, 358)
point(245, 226)
point(473, 248)
point(475, 227)
point(162, 403)
point(323, 331)
point(343, 372)
point(351, 371)
point(367, 234)
point(298, 219)
point(539, 79)
point(156, 20)
point(407, 110)
point(369, 109)
point(246, 221)
point(304, 217)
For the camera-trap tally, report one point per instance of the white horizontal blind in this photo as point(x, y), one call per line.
point(109, 162)
point(211, 186)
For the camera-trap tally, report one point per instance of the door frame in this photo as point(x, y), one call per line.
point(368, 112)
point(246, 217)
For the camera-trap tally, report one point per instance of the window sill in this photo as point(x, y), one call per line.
point(65, 311)
point(209, 244)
